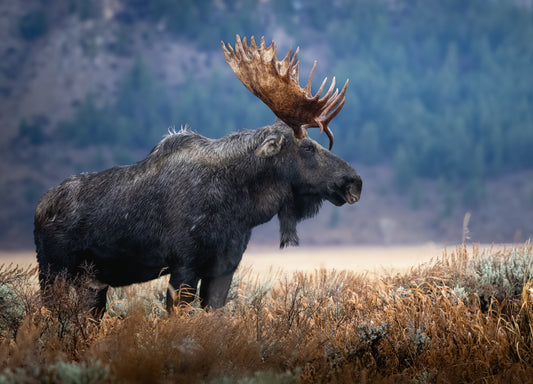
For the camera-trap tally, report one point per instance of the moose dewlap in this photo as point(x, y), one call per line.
point(189, 207)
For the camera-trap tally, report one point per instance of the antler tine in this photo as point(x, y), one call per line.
point(284, 66)
point(329, 134)
point(307, 89)
point(246, 49)
point(317, 95)
point(296, 75)
point(336, 110)
point(340, 96)
point(262, 45)
point(252, 43)
point(227, 50)
point(333, 102)
point(295, 56)
point(276, 83)
point(330, 90)
point(330, 110)
point(294, 66)
point(239, 48)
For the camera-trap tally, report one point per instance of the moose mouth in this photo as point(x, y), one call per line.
point(351, 196)
point(350, 193)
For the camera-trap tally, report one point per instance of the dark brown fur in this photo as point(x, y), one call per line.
point(187, 209)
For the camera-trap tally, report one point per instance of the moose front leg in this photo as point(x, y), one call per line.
point(181, 288)
point(214, 290)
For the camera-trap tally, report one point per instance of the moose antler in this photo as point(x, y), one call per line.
point(276, 83)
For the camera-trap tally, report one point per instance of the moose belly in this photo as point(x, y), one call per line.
point(125, 269)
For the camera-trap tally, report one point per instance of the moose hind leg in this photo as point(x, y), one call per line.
point(100, 301)
point(214, 291)
point(48, 275)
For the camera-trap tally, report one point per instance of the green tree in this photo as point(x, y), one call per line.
point(33, 25)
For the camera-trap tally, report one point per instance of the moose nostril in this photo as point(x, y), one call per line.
point(354, 183)
point(355, 190)
point(359, 183)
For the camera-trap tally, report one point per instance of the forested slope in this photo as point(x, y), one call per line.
point(441, 91)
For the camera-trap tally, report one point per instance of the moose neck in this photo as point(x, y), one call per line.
point(254, 188)
point(262, 187)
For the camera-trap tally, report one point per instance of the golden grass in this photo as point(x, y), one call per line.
point(465, 317)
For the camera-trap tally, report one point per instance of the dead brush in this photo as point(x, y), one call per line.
point(178, 348)
point(427, 325)
point(473, 307)
point(519, 325)
point(68, 313)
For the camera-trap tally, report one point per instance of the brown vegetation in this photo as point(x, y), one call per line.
point(465, 317)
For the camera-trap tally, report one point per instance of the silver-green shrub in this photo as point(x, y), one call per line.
point(60, 372)
point(498, 274)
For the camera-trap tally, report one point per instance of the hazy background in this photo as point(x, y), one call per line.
point(438, 118)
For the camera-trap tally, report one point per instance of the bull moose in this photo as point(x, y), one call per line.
point(189, 207)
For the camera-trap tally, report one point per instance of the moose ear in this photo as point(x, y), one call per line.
point(270, 147)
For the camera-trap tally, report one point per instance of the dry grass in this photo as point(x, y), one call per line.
point(465, 317)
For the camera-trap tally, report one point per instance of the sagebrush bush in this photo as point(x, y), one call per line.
point(484, 275)
point(17, 297)
point(61, 372)
point(427, 325)
point(11, 310)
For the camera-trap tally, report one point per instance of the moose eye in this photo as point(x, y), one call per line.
point(308, 148)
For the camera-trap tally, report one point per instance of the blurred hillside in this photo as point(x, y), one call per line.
point(438, 118)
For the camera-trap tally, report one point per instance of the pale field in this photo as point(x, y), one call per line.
point(266, 261)
point(21, 258)
point(273, 265)
point(373, 260)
